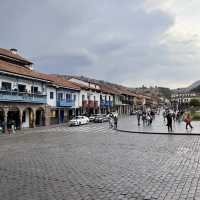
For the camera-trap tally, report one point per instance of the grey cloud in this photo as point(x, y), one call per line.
point(120, 39)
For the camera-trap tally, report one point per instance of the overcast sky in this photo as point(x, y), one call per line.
point(132, 42)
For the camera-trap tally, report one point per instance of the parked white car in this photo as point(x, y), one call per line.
point(79, 120)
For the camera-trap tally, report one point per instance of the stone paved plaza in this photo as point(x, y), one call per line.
point(94, 162)
point(158, 125)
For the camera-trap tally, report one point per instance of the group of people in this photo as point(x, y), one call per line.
point(113, 121)
point(177, 116)
point(146, 116)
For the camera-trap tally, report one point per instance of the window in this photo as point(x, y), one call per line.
point(51, 95)
point(68, 96)
point(60, 96)
point(6, 86)
point(21, 88)
point(83, 97)
point(74, 97)
point(94, 98)
point(34, 89)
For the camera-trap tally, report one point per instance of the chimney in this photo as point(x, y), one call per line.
point(13, 50)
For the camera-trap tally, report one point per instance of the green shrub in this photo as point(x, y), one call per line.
point(195, 102)
point(195, 116)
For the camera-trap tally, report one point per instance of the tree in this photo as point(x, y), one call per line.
point(194, 102)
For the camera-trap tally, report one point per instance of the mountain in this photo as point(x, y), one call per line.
point(195, 87)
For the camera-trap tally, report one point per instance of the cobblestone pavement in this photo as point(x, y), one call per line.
point(158, 125)
point(94, 162)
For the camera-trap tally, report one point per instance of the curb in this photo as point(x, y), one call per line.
point(157, 133)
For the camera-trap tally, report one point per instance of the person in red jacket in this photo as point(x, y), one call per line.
point(188, 120)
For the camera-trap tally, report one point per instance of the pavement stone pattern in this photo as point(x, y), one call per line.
point(158, 125)
point(93, 162)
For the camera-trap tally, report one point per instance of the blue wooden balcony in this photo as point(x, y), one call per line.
point(14, 96)
point(104, 103)
point(66, 103)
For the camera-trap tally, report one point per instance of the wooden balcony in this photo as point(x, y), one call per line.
point(85, 103)
point(96, 104)
point(91, 104)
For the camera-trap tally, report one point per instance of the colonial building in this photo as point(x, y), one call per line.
point(183, 97)
point(89, 99)
point(23, 92)
point(62, 100)
point(29, 98)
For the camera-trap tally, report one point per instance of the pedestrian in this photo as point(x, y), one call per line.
point(115, 122)
point(169, 121)
point(164, 115)
point(144, 117)
point(149, 119)
point(138, 117)
point(152, 114)
point(174, 116)
point(110, 119)
point(187, 120)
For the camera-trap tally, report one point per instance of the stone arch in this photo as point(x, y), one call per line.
point(2, 120)
point(28, 118)
point(13, 117)
point(40, 116)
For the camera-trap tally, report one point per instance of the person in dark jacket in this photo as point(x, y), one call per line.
point(115, 122)
point(169, 121)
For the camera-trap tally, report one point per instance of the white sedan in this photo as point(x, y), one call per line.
point(79, 120)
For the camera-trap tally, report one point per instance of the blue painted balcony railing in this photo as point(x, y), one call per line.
point(14, 96)
point(65, 103)
point(104, 103)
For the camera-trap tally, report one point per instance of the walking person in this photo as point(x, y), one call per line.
point(138, 117)
point(169, 121)
point(149, 119)
point(174, 116)
point(144, 117)
point(115, 122)
point(164, 115)
point(187, 120)
point(110, 120)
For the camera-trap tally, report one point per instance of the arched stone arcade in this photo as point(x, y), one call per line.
point(40, 117)
point(14, 117)
point(28, 118)
point(22, 116)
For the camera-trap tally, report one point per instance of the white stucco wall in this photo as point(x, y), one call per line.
point(91, 96)
point(51, 102)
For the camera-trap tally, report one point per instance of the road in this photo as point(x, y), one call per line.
point(94, 162)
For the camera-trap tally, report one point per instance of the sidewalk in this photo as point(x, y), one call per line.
point(158, 126)
point(30, 130)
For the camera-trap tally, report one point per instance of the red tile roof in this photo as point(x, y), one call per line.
point(57, 80)
point(8, 53)
point(20, 70)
